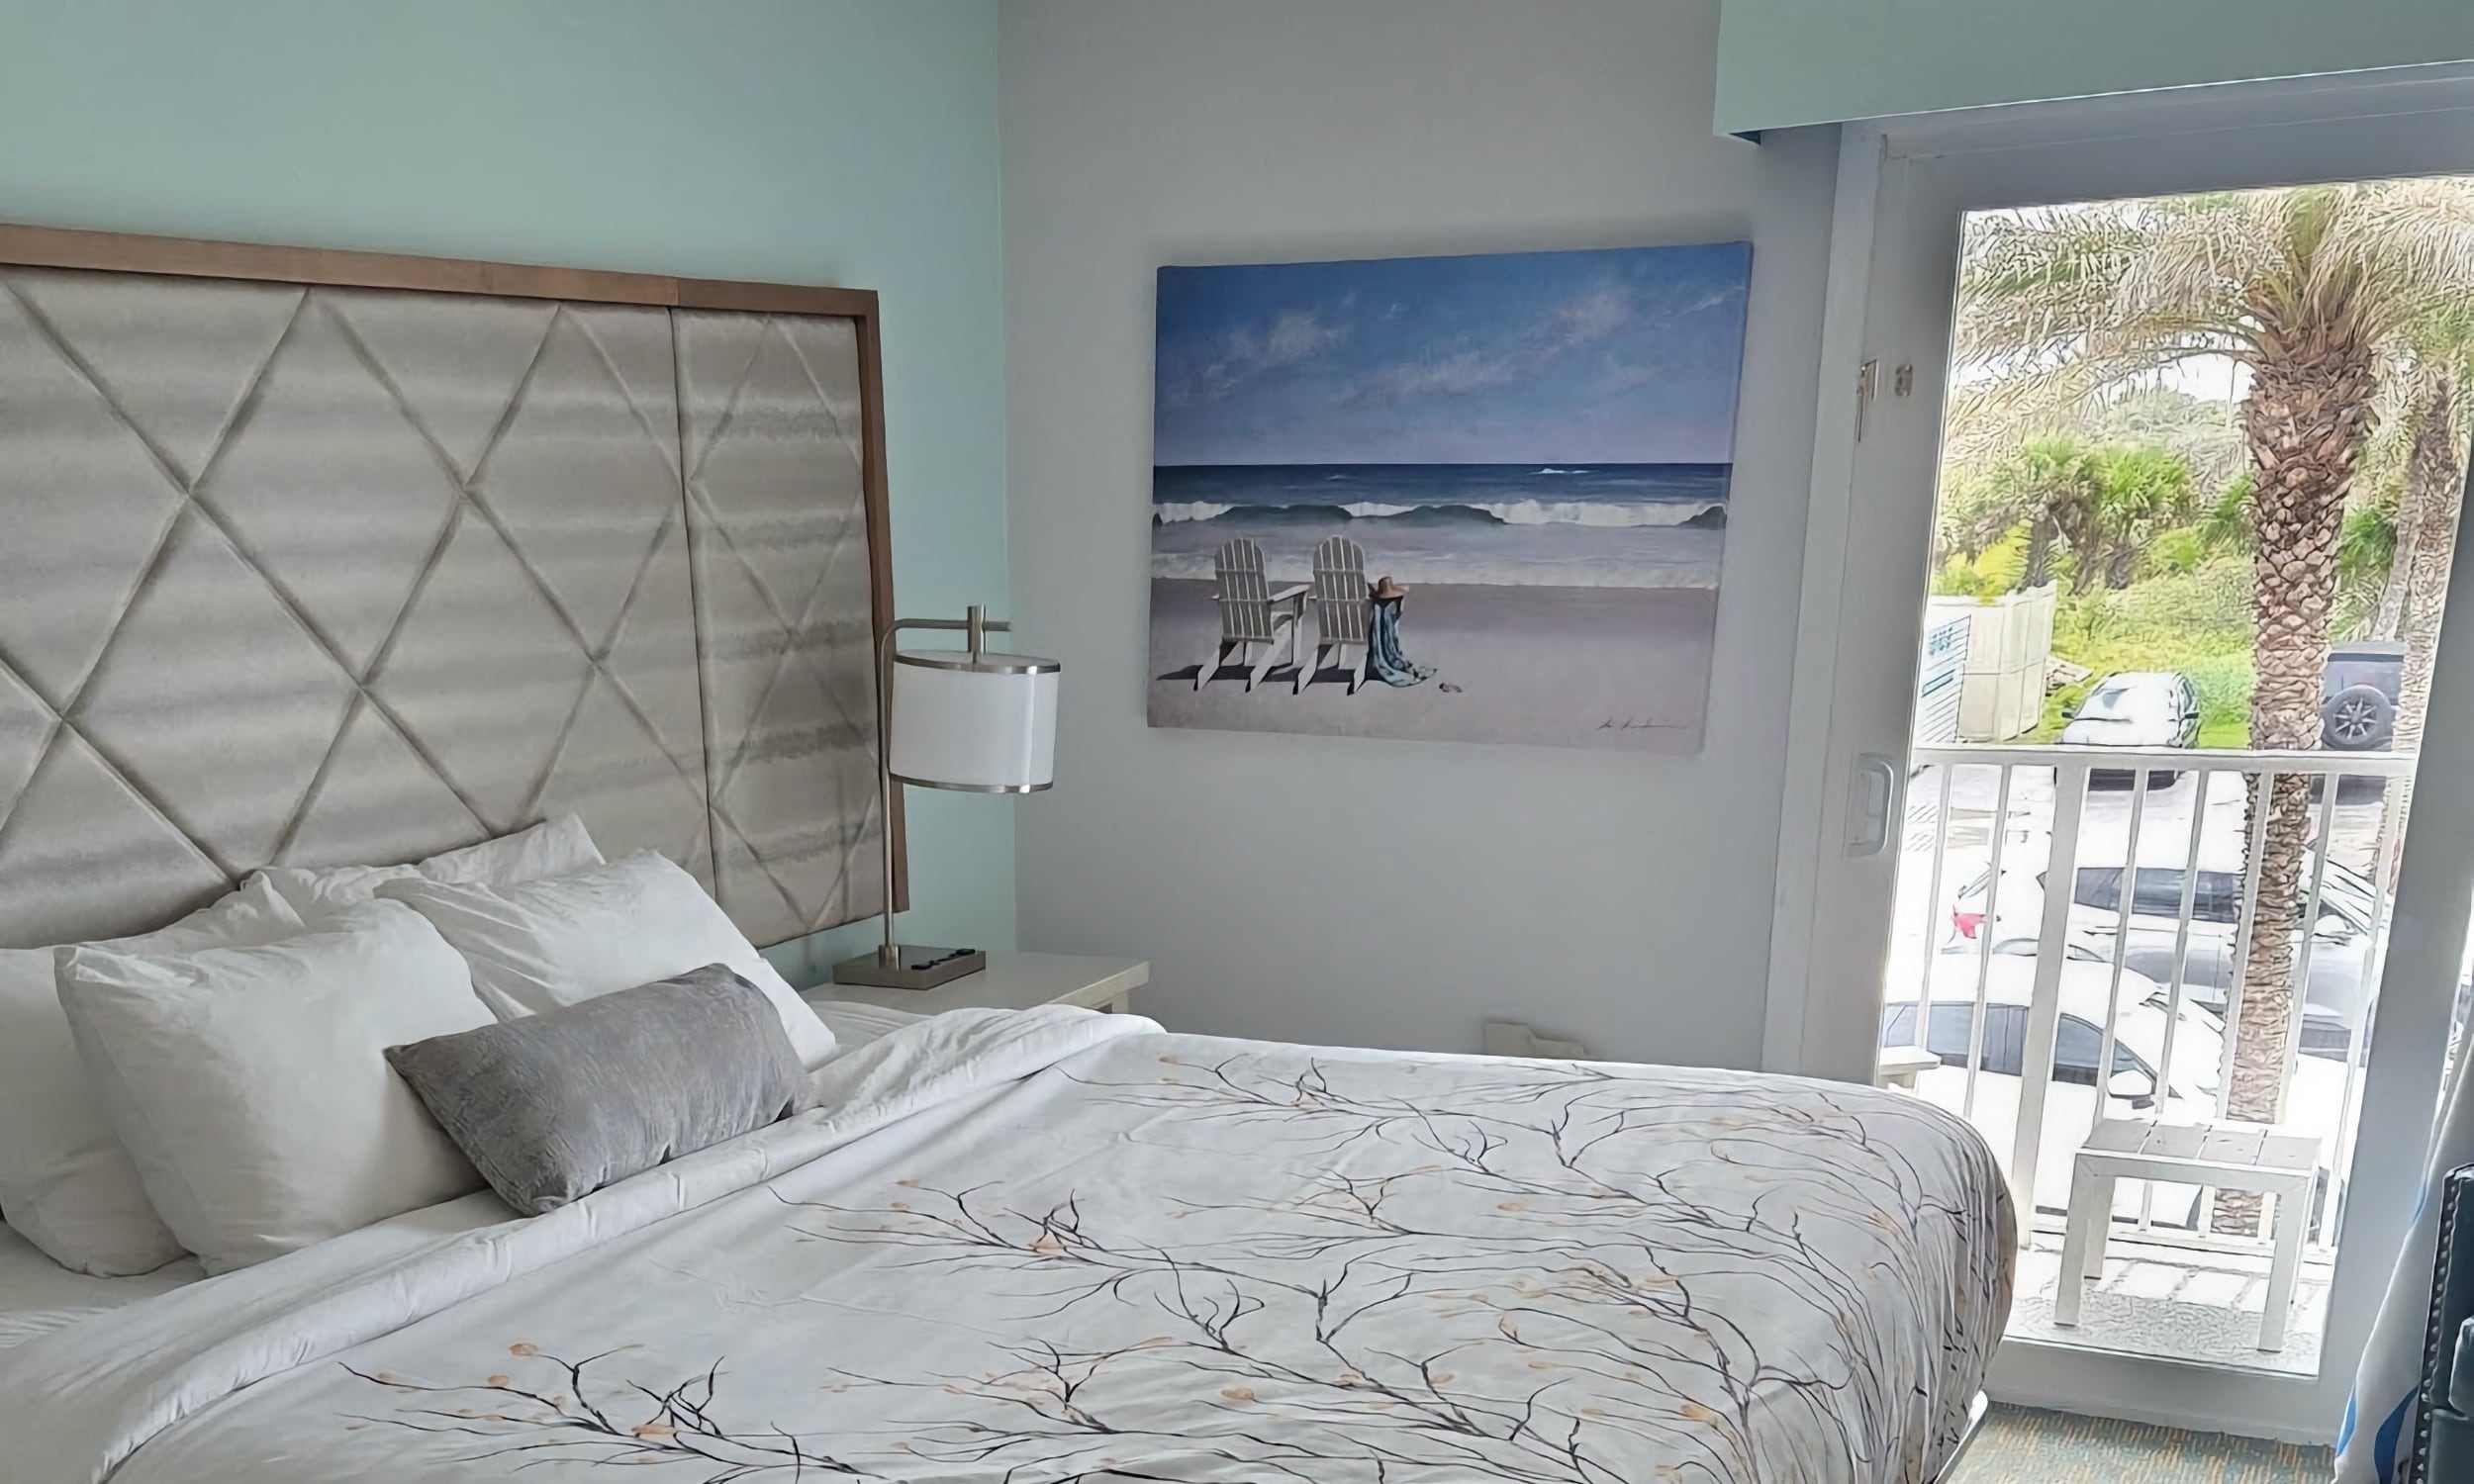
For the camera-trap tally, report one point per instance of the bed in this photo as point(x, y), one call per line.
point(39, 1296)
point(618, 556)
point(1054, 1245)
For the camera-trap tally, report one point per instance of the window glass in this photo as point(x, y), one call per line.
point(2219, 898)
point(2005, 1028)
point(2322, 1037)
point(2077, 1043)
point(2098, 887)
point(2157, 891)
point(1952, 1025)
point(2075, 1049)
point(2123, 703)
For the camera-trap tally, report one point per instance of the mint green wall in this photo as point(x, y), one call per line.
point(1783, 62)
point(844, 141)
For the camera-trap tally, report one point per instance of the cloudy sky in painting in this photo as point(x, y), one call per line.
point(1624, 355)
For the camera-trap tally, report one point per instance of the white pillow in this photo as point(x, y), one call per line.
point(66, 1184)
point(554, 847)
point(538, 945)
point(252, 1087)
point(550, 848)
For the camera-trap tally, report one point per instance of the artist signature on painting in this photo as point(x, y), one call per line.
point(1636, 725)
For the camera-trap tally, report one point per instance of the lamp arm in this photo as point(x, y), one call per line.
point(977, 625)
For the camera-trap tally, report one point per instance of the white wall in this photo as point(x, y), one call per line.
point(1390, 893)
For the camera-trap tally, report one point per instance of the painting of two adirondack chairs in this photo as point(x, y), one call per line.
point(1261, 623)
point(1535, 452)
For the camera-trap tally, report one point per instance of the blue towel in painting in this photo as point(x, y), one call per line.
point(1383, 648)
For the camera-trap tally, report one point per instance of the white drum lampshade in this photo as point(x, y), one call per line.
point(973, 720)
point(964, 719)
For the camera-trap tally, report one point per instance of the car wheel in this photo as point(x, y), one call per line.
point(2358, 718)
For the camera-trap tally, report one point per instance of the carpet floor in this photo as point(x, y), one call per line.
point(2021, 1445)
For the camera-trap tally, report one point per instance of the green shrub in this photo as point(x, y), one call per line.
point(2177, 552)
point(1991, 573)
point(2224, 683)
point(2196, 622)
point(2210, 603)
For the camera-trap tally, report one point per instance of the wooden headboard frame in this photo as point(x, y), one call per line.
point(95, 252)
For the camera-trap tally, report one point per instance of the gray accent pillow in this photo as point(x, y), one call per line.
point(555, 1106)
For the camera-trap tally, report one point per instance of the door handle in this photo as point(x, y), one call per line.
point(1874, 804)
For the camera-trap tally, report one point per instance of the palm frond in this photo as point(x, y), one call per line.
point(2078, 299)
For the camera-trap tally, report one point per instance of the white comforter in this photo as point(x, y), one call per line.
point(1057, 1246)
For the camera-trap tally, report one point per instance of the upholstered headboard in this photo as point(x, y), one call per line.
point(311, 558)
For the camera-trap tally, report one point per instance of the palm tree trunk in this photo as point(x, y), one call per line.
point(2390, 616)
point(2121, 566)
point(2075, 523)
point(2306, 420)
point(2436, 401)
point(2434, 495)
point(2039, 562)
point(2426, 537)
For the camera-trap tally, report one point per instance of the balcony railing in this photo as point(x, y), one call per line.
point(2137, 924)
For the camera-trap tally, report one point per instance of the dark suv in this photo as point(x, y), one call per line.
point(2359, 695)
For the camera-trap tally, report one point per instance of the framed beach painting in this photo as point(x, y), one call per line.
point(1461, 499)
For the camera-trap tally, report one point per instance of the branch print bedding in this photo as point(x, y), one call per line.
point(1055, 1245)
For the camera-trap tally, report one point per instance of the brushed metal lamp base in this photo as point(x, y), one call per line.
point(910, 966)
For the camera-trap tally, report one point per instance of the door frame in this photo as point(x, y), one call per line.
point(1815, 996)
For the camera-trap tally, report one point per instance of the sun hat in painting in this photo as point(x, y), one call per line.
point(1387, 590)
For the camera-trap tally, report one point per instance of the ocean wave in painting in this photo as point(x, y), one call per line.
point(1707, 515)
point(1618, 526)
point(1454, 551)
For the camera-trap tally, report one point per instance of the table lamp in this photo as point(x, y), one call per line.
point(967, 719)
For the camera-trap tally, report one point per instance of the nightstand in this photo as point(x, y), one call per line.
point(1011, 982)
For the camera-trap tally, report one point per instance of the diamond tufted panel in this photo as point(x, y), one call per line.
point(310, 576)
point(775, 506)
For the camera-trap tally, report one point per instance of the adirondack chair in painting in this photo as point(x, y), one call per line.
point(1252, 615)
point(1341, 613)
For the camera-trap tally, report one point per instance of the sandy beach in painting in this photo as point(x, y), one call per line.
point(1618, 668)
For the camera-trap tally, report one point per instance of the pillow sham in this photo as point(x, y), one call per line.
point(66, 1184)
point(549, 848)
point(250, 1083)
point(536, 946)
point(554, 1106)
point(554, 847)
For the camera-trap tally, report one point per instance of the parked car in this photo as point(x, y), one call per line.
point(2144, 709)
point(2341, 942)
point(2359, 695)
point(2134, 1086)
